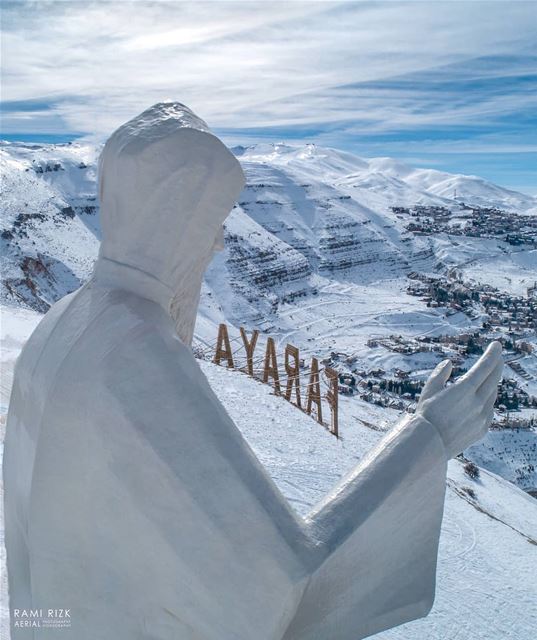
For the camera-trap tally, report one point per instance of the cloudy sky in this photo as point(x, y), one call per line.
point(446, 84)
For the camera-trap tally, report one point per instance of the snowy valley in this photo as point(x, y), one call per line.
point(379, 270)
point(370, 265)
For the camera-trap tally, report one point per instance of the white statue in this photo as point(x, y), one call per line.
point(131, 497)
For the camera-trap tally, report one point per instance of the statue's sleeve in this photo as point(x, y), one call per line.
point(379, 530)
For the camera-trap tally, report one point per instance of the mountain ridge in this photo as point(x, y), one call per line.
point(338, 222)
point(320, 253)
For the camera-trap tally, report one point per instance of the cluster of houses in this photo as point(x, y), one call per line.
point(506, 225)
point(512, 398)
point(515, 313)
point(396, 389)
point(450, 292)
point(407, 346)
point(473, 221)
point(434, 212)
point(518, 368)
point(509, 421)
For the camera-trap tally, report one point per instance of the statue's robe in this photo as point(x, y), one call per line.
point(131, 497)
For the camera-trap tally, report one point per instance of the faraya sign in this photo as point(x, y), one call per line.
point(312, 401)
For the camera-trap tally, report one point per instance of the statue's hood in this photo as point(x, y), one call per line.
point(166, 185)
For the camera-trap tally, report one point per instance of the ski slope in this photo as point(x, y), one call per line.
point(486, 586)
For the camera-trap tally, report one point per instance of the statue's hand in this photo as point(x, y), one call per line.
point(463, 411)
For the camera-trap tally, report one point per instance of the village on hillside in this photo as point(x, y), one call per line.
point(498, 315)
point(472, 221)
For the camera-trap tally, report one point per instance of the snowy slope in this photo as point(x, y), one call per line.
point(314, 254)
point(388, 178)
point(510, 455)
point(486, 587)
point(470, 189)
point(316, 257)
point(49, 221)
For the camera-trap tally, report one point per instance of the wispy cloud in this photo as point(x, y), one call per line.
point(410, 73)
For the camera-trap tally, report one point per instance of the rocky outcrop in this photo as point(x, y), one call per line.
point(49, 223)
point(44, 280)
point(261, 267)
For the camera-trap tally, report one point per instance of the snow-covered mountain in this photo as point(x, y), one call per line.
point(49, 221)
point(308, 216)
point(316, 255)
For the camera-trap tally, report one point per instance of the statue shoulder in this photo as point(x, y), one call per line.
point(147, 360)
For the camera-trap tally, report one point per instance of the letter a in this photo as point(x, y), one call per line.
point(270, 369)
point(293, 374)
point(314, 391)
point(249, 348)
point(223, 347)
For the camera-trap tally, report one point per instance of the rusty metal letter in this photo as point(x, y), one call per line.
point(270, 368)
point(332, 398)
point(249, 348)
point(293, 374)
point(223, 347)
point(314, 391)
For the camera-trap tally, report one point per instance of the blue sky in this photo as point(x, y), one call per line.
point(451, 85)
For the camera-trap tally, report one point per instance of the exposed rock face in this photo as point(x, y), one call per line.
point(346, 243)
point(332, 231)
point(43, 282)
point(32, 273)
point(49, 222)
point(262, 267)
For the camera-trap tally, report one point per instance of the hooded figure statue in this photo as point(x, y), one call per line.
point(132, 500)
